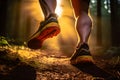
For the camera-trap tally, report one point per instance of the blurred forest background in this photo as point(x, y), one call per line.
point(19, 19)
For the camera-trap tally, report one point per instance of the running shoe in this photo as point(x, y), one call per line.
point(48, 29)
point(82, 55)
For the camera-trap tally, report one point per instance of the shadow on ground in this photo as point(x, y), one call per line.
point(96, 71)
point(11, 68)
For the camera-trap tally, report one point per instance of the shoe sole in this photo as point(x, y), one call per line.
point(50, 30)
point(82, 60)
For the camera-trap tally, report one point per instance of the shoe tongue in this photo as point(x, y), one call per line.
point(85, 46)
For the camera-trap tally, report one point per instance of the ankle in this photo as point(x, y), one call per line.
point(51, 15)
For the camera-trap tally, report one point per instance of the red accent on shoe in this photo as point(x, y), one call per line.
point(49, 32)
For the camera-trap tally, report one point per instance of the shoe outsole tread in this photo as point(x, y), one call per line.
point(82, 59)
point(49, 31)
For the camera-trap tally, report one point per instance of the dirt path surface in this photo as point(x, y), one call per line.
point(20, 63)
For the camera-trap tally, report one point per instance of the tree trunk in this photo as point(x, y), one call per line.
point(99, 25)
point(3, 9)
point(115, 26)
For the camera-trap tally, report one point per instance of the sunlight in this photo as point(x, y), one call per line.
point(67, 38)
point(58, 10)
point(93, 1)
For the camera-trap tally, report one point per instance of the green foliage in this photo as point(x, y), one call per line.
point(9, 41)
point(105, 7)
point(3, 41)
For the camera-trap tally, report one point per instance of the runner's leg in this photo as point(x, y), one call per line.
point(84, 22)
